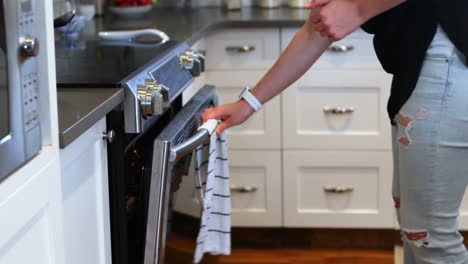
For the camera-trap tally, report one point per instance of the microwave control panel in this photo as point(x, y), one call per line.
point(28, 52)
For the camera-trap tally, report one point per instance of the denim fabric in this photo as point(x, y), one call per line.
point(430, 146)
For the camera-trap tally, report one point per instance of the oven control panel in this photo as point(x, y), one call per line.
point(151, 91)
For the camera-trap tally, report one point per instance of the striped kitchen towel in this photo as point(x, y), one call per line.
point(213, 183)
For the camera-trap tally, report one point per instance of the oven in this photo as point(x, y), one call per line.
point(20, 131)
point(146, 176)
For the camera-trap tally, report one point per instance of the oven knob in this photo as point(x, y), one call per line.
point(29, 46)
point(192, 64)
point(151, 100)
point(166, 95)
point(199, 56)
point(157, 103)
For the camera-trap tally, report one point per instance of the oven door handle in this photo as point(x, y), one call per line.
point(203, 135)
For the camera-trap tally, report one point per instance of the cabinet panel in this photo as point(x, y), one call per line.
point(263, 129)
point(255, 189)
point(337, 110)
point(85, 195)
point(242, 49)
point(337, 189)
point(356, 51)
point(31, 213)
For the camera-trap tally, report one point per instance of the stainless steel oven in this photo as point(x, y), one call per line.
point(20, 132)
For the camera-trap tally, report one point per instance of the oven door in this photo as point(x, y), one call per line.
point(173, 146)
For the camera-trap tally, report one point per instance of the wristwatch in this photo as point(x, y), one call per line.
point(251, 99)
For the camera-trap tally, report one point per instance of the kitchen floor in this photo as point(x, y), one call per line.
point(183, 248)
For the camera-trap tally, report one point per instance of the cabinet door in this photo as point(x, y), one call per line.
point(338, 189)
point(242, 49)
point(356, 51)
point(263, 129)
point(31, 213)
point(337, 110)
point(85, 195)
point(255, 189)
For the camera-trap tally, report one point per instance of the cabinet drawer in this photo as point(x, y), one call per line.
point(256, 196)
point(337, 110)
point(263, 129)
point(354, 51)
point(242, 49)
point(337, 189)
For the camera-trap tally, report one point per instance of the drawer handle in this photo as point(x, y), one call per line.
point(338, 110)
point(337, 189)
point(340, 48)
point(243, 189)
point(240, 49)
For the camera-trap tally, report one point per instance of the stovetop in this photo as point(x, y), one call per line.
point(102, 64)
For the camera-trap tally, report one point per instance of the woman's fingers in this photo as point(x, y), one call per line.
point(317, 3)
point(213, 113)
point(223, 126)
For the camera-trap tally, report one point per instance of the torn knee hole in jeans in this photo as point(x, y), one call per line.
point(405, 124)
point(419, 238)
point(397, 201)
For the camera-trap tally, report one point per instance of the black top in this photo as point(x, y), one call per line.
point(403, 34)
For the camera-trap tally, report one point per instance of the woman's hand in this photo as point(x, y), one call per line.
point(335, 19)
point(230, 114)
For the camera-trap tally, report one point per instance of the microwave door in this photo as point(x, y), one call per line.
point(11, 120)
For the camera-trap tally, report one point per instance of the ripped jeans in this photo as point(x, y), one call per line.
point(430, 147)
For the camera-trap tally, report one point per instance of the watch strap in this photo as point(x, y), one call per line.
point(251, 99)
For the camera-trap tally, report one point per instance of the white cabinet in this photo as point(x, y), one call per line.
point(337, 189)
point(356, 51)
point(85, 195)
point(242, 49)
point(337, 110)
point(31, 213)
point(256, 194)
point(263, 129)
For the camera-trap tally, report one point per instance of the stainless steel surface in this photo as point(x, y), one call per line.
point(243, 189)
point(150, 89)
point(269, 3)
point(29, 46)
point(338, 110)
point(337, 189)
point(189, 145)
point(232, 4)
point(81, 108)
point(340, 48)
point(20, 131)
point(157, 205)
point(297, 3)
point(178, 130)
point(240, 49)
point(109, 136)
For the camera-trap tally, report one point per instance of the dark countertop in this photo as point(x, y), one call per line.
point(80, 108)
point(191, 25)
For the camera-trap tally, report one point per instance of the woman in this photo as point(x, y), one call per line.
point(423, 44)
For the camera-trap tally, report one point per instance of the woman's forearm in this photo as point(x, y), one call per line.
point(305, 48)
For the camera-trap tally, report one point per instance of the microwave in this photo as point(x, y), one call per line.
point(20, 130)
